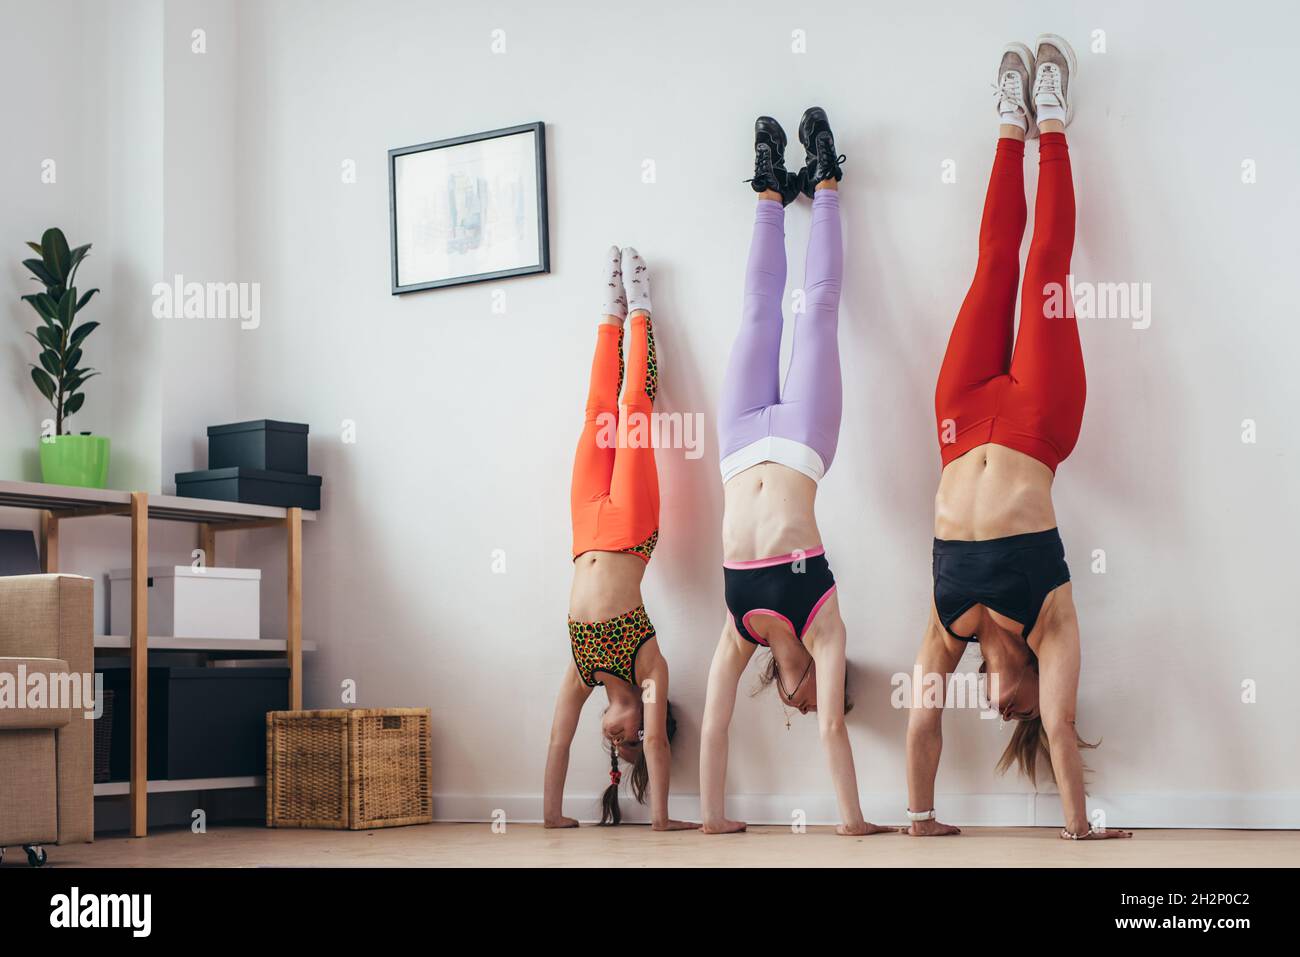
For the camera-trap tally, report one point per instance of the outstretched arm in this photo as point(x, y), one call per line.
point(1058, 678)
point(658, 755)
point(936, 660)
point(573, 695)
point(825, 642)
point(729, 661)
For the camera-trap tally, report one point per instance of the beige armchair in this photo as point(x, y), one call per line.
point(47, 791)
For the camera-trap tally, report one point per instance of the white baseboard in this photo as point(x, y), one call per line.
point(1230, 810)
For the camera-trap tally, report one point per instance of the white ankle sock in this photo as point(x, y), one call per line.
point(1014, 118)
point(615, 298)
point(1050, 111)
point(636, 280)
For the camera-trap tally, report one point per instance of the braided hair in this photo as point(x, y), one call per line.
point(609, 809)
point(610, 813)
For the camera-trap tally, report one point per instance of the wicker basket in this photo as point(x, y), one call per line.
point(104, 739)
point(349, 768)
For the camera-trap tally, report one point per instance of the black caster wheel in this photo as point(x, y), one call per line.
point(36, 856)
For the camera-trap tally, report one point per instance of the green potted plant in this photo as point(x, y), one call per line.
point(66, 459)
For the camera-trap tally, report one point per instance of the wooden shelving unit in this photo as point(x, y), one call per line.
point(59, 503)
point(217, 647)
point(122, 788)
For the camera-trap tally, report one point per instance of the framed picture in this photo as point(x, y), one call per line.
point(469, 209)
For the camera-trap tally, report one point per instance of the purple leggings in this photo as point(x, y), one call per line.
point(754, 408)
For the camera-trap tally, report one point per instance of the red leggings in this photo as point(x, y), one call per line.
point(1030, 400)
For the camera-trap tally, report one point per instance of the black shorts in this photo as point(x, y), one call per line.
point(791, 588)
point(1011, 576)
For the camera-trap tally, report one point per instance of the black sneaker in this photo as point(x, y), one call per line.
point(820, 161)
point(769, 161)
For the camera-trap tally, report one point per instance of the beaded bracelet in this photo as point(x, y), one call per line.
point(1079, 837)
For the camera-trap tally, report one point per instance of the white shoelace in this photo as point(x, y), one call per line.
point(1048, 84)
point(1011, 95)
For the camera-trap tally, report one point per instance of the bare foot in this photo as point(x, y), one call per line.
point(560, 822)
point(930, 828)
point(723, 827)
point(1107, 834)
point(674, 826)
point(862, 830)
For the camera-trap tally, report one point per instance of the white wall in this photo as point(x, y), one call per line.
point(50, 122)
point(98, 116)
point(466, 420)
point(199, 356)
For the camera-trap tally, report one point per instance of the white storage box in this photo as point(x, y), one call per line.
point(188, 602)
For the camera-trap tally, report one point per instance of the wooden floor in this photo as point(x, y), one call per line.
point(529, 845)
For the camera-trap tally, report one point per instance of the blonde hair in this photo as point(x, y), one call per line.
point(1028, 743)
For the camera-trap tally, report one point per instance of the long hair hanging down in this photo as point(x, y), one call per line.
point(610, 812)
point(1029, 743)
point(609, 809)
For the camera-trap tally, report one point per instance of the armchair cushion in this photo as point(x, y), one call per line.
point(16, 676)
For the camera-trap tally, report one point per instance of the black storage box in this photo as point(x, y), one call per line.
point(117, 682)
point(18, 555)
point(203, 722)
point(251, 487)
point(262, 444)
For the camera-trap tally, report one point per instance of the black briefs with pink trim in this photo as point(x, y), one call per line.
point(790, 588)
point(1012, 576)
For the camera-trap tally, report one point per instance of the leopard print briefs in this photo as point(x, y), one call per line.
point(610, 646)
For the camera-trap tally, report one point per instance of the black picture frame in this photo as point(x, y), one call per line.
point(543, 230)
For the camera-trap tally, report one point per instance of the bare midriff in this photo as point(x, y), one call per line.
point(768, 511)
point(993, 492)
point(605, 585)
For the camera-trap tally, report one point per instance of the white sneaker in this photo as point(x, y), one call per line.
point(1013, 101)
point(1054, 80)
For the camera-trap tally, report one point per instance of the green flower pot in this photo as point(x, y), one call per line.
point(75, 460)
